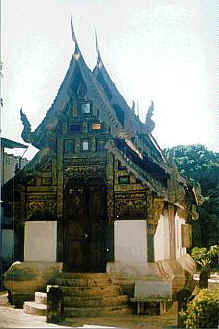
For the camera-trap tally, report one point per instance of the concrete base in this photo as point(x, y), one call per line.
point(125, 274)
point(35, 308)
point(24, 278)
point(135, 270)
point(179, 272)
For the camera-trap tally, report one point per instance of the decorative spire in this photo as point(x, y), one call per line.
point(77, 50)
point(149, 123)
point(26, 133)
point(99, 60)
point(133, 106)
point(137, 109)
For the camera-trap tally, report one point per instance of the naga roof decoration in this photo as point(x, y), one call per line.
point(8, 143)
point(149, 123)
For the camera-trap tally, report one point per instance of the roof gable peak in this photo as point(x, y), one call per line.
point(77, 52)
point(99, 59)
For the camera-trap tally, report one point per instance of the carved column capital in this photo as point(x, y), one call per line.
point(155, 207)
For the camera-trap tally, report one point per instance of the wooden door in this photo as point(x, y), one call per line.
point(84, 229)
point(97, 228)
point(75, 229)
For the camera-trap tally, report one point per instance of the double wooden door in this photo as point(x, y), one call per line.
point(84, 228)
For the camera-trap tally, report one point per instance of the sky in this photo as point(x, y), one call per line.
point(160, 50)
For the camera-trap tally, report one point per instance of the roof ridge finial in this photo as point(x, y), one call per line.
point(99, 60)
point(149, 123)
point(74, 37)
point(137, 108)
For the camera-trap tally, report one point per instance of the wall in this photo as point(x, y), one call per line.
point(180, 251)
point(7, 247)
point(130, 244)
point(8, 165)
point(40, 241)
point(162, 239)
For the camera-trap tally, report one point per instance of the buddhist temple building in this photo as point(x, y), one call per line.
point(99, 196)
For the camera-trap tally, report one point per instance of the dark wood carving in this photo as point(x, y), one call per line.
point(130, 205)
point(41, 207)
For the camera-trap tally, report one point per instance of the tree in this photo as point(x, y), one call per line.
point(205, 259)
point(201, 166)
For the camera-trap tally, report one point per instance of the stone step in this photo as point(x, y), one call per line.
point(95, 276)
point(83, 282)
point(4, 299)
point(71, 312)
point(34, 308)
point(98, 301)
point(95, 291)
point(41, 298)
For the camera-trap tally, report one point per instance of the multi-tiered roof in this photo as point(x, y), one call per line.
point(131, 140)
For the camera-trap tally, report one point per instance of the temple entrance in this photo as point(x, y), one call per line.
point(84, 228)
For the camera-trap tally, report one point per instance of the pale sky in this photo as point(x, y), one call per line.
point(160, 50)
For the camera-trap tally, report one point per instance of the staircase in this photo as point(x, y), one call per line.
point(85, 295)
point(39, 306)
point(91, 295)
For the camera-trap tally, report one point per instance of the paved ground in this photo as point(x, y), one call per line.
point(16, 318)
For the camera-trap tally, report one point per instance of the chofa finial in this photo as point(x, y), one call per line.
point(26, 133)
point(149, 123)
point(99, 61)
point(77, 50)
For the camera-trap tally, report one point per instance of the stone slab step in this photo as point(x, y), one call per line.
point(70, 275)
point(95, 291)
point(97, 301)
point(71, 312)
point(80, 282)
point(34, 308)
point(4, 299)
point(41, 298)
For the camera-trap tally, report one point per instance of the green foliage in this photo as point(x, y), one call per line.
point(202, 311)
point(199, 165)
point(204, 257)
point(193, 159)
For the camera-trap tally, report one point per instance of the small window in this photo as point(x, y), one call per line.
point(100, 146)
point(96, 126)
point(75, 128)
point(123, 179)
point(121, 166)
point(68, 146)
point(85, 146)
point(85, 108)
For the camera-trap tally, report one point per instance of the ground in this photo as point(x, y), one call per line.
point(16, 318)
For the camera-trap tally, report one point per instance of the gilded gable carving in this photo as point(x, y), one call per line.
point(130, 205)
point(85, 171)
point(41, 209)
point(41, 206)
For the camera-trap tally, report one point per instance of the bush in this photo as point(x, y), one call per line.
point(203, 310)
